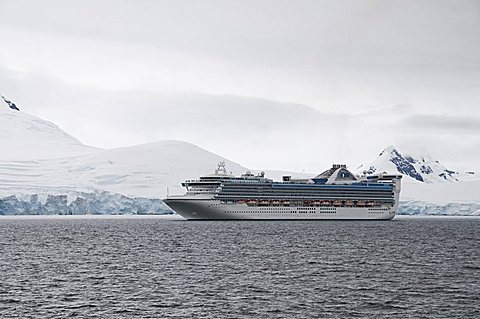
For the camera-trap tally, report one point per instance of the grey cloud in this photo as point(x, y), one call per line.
point(443, 122)
point(327, 54)
point(305, 34)
point(141, 110)
point(225, 113)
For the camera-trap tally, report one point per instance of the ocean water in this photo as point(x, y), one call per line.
point(163, 268)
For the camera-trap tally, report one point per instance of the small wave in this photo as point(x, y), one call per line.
point(471, 267)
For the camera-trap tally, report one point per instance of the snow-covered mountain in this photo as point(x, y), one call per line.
point(428, 187)
point(43, 170)
point(38, 154)
point(41, 163)
point(417, 164)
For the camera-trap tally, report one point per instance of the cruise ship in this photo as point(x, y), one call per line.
point(334, 194)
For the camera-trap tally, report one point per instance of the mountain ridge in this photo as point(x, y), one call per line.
point(417, 165)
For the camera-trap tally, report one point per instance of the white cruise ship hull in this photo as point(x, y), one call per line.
point(208, 209)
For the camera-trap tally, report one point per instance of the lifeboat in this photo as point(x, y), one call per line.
point(337, 203)
point(316, 203)
point(325, 202)
point(286, 202)
point(349, 203)
point(361, 203)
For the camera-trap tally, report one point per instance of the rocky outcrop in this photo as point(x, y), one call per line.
point(10, 104)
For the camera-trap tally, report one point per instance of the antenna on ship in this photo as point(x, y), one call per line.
point(168, 193)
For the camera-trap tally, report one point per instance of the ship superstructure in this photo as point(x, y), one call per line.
point(333, 194)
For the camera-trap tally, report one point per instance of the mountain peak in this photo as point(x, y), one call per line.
point(26, 137)
point(417, 163)
point(388, 150)
point(10, 103)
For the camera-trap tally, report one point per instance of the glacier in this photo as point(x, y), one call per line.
point(427, 208)
point(97, 203)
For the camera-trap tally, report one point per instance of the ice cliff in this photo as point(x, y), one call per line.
point(95, 203)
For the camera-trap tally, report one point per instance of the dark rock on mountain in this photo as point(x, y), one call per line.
point(10, 104)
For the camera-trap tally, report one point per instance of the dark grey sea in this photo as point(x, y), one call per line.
point(165, 268)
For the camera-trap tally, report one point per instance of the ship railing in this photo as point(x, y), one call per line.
point(308, 203)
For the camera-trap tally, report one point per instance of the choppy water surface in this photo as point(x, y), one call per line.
point(157, 268)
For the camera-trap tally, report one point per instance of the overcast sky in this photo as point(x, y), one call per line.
point(290, 85)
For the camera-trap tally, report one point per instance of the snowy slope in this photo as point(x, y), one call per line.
point(143, 170)
point(26, 137)
point(147, 170)
point(441, 193)
point(417, 164)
